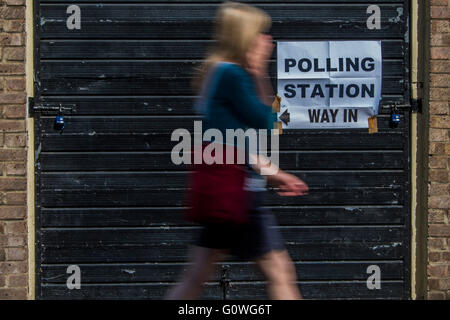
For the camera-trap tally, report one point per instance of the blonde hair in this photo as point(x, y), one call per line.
point(237, 26)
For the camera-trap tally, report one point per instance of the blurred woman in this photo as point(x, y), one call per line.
point(241, 100)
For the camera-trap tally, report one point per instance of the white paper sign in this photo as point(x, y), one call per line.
point(328, 84)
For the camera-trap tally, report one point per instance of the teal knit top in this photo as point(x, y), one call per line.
point(229, 100)
point(232, 101)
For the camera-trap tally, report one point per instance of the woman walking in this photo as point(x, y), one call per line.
point(239, 100)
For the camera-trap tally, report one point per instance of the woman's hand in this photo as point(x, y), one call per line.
point(259, 55)
point(257, 65)
point(287, 184)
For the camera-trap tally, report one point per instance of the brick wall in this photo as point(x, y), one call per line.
point(13, 153)
point(439, 154)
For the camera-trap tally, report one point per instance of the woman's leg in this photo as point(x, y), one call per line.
point(201, 265)
point(280, 273)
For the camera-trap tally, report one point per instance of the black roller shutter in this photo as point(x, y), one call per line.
point(108, 197)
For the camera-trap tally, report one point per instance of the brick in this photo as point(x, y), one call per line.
point(6, 39)
point(432, 257)
point(438, 80)
point(17, 39)
point(439, 189)
point(444, 284)
point(14, 13)
point(16, 169)
point(438, 175)
point(439, 53)
point(14, 112)
point(441, 12)
point(439, 94)
point(2, 255)
point(4, 239)
point(439, 107)
point(14, 240)
point(12, 212)
point(18, 84)
point(439, 230)
point(18, 140)
point(440, 66)
point(13, 267)
point(9, 183)
point(436, 216)
point(16, 53)
point(436, 295)
point(446, 256)
point(12, 125)
point(440, 202)
point(15, 227)
point(12, 68)
point(15, 2)
point(437, 148)
point(447, 149)
point(433, 284)
point(439, 2)
point(438, 162)
point(13, 293)
point(15, 198)
point(17, 280)
point(437, 271)
point(437, 40)
point(440, 122)
point(16, 254)
point(13, 97)
point(439, 135)
point(436, 244)
point(19, 26)
point(2, 281)
point(14, 155)
point(440, 26)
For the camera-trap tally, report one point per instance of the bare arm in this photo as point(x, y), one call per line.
point(285, 183)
